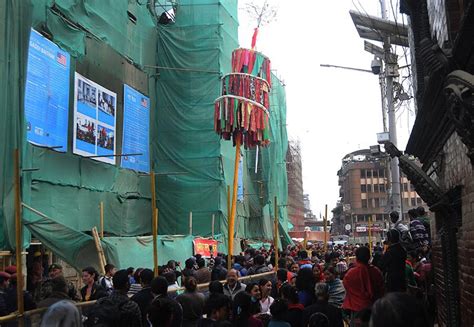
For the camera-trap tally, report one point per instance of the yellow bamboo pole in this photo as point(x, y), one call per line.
point(234, 204)
point(18, 237)
point(325, 228)
point(153, 221)
point(275, 234)
point(155, 243)
point(101, 219)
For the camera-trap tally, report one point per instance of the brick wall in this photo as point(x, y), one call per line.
point(457, 170)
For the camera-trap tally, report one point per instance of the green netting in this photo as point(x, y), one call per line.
point(194, 166)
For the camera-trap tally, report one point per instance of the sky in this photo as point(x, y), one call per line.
point(331, 111)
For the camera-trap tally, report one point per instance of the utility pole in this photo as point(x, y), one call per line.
point(391, 70)
point(387, 32)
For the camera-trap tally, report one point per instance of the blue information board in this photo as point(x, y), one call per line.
point(136, 122)
point(47, 93)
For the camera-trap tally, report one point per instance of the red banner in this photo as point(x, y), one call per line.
point(202, 246)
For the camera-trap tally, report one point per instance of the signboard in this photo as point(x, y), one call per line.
point(95, 109)
point(240, 182)
point(136, 130)
point(202, 246)
point(365, 229)
point(47, 93)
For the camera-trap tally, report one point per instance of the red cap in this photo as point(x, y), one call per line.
point(11, 269)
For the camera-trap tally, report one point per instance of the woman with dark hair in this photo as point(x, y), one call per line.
point(398, 309)
point(92, 290)
point(336, 289)
point(295, 309)
point(216, 287)
point(393, 263)
point(242, 309)
point(305, 286)
point(265, 299)
point(192, 303)
point(255, 294)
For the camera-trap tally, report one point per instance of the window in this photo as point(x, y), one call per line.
point(364, 203)
point(381, 173)
point(382, 187)
point(369, 187)
point(362, 173)
point(405, 203)
point(383, 202)
point(413, 202)
point(369, 173)
point(405, 187)
point(379, 217)
point(375, 173)
point(376, 188)
point(376, 202)
point(412, 187)
point(363, 188)
point(418, 200)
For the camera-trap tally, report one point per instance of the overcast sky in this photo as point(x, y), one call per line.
point(331, 111)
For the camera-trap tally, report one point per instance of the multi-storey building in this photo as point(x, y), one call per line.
point(295, 186)
point(364, 190)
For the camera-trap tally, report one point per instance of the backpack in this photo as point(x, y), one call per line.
point(105, 313)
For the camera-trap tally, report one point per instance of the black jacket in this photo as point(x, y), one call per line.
point(334, 314)
point(143, 298)
point(97, 292)
point(393, 268)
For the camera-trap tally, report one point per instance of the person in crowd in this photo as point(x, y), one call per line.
point(161, 312)
point(172, 283)
point(131, 275)
point(363, 284)
point(62, 314)
point(159, 288)
point(232, 285)
point(92, 290)
point(253, 289)
point(405, 234)
point(116, 309)
point(217, 309)
point(11, 296)
point(45, 288)
point(321, 307)
point(295, 309)
point(304, 261)
point(259, 267)
point(265, 299)
point(282, 279)
point(242, 311)
point(137, 284)
point(59, 292)
point(318, 273)
point(215, 287)
point(188, 270)
point(4, 284)
point(144, 297)
point(294, 268)
point(218, 271)
point(305, 285)
point(106, 281)
point(337, 292)
point(192, 303)
point(393, 263)
point(410, 272)
point(398, 309)
point(417, 230)
point(279, 312)
point(203, 274)
point(425, 220)
point(239, 265)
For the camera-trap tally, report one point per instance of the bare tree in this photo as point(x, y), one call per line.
point(262, 13)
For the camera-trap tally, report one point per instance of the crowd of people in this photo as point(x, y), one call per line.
point(388, 284)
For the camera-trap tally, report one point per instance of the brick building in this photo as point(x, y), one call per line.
point(364, 191)
point(442, 51)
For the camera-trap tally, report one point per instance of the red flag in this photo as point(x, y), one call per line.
point(254, 37)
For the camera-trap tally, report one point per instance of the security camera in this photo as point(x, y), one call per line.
point(376, 66)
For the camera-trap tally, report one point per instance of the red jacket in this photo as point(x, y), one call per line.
point(364, 285)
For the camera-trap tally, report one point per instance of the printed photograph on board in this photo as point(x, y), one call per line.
point(85, 134)
point(105, 138)
point(86, 98)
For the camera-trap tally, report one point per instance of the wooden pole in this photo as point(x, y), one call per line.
point(18, 237)
point(155, 243)
point(275, 234)
point(100, 251)
point(101, 219)
point(234, 204)
point(325, 228)
point(212, 227)
point(190, 223)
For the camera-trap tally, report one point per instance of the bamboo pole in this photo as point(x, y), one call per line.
point(155, 243)
point(325, 228)
point(18, 237)
point(101, 219)
point(154, 224)
point(275, 234)
point(100, 251)
point(234, 203)
point(190, 223)
point(212, 227)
